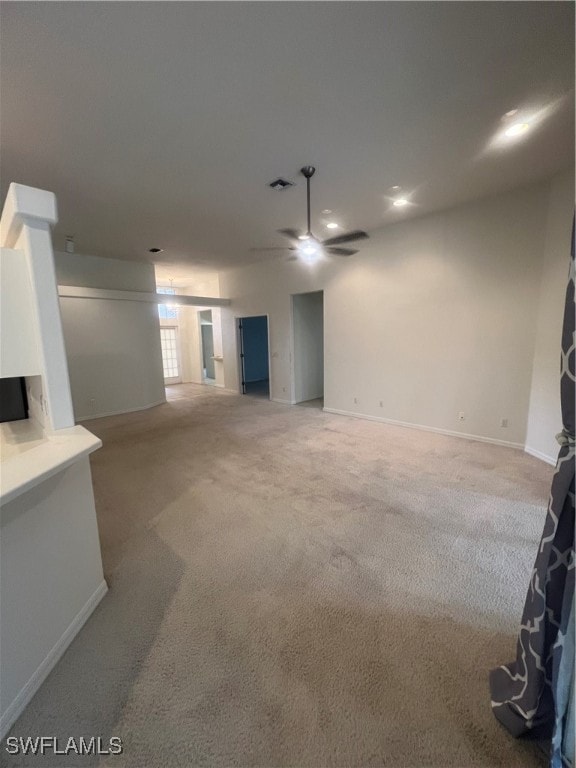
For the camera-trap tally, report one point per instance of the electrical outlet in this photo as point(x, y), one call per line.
point(381, 404)
point(504, 423)
point(283, 389)
point(461, 416)
point(92, 403)
point(355, 401)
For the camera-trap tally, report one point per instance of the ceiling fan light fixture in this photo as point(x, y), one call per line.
point(310, 247)
point(517, 130)
point(400, 203)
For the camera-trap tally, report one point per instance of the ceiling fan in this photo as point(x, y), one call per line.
point(309, 246)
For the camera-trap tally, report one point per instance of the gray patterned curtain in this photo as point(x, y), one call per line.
point(537, 689)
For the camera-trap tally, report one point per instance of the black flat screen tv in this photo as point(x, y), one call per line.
point(13, 399)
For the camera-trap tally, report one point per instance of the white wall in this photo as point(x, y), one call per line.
point(545, 419)
point(113, 347)
point(434, 316)
point(308, 324)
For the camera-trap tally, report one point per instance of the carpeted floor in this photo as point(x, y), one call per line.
point(294, 588)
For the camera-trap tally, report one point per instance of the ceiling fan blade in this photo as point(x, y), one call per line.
point(347, 237)
point(341, 251)
point(273, 248)
point(292, 234)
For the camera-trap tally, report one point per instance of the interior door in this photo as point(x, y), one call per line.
point(170, 355)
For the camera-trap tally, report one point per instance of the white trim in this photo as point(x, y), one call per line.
point(539, 455)
point(283, 402)
point(22, 699)
point(119, 413)
point(438, 430)
point(292, 352)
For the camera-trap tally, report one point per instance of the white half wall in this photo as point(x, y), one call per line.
point(545, 418)
point(113, 347)
point(51, 580)
point(433, 317)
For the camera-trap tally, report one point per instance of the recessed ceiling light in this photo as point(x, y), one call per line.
point(517, 129)
point(400, 203)
point(327, 210)
point(155, 250)
point(332, 225)
point(511, 113)
point(396, 187)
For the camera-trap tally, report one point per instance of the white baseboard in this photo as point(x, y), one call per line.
point(283, 402)
point(119, 413)
point(319, 396)
point(422, 427)
point(539, 455)
point(22, 699)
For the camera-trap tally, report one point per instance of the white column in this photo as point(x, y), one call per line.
point(25, 226)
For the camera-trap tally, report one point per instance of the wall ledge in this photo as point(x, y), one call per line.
point(113, 294)
point(28, 459)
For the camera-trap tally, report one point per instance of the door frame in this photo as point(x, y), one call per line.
point(239, 361)
point(293, 342)
point(173, 379)
point(203, 380)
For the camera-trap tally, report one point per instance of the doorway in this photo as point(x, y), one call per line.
point(170, 354)
point(308, 335)
point(207, 342)
point(254, 356)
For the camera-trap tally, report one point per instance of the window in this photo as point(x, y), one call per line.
point(169, 343)
point(164, 311)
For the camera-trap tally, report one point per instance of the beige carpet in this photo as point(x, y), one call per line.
point(294, 588)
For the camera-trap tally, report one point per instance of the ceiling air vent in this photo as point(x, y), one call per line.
point(281, 184)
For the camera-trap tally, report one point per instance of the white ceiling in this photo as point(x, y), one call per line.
point(161, 124)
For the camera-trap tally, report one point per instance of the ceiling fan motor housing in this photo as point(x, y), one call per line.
point(308, 171)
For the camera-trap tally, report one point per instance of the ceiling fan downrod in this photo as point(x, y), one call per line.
point(308, 171)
